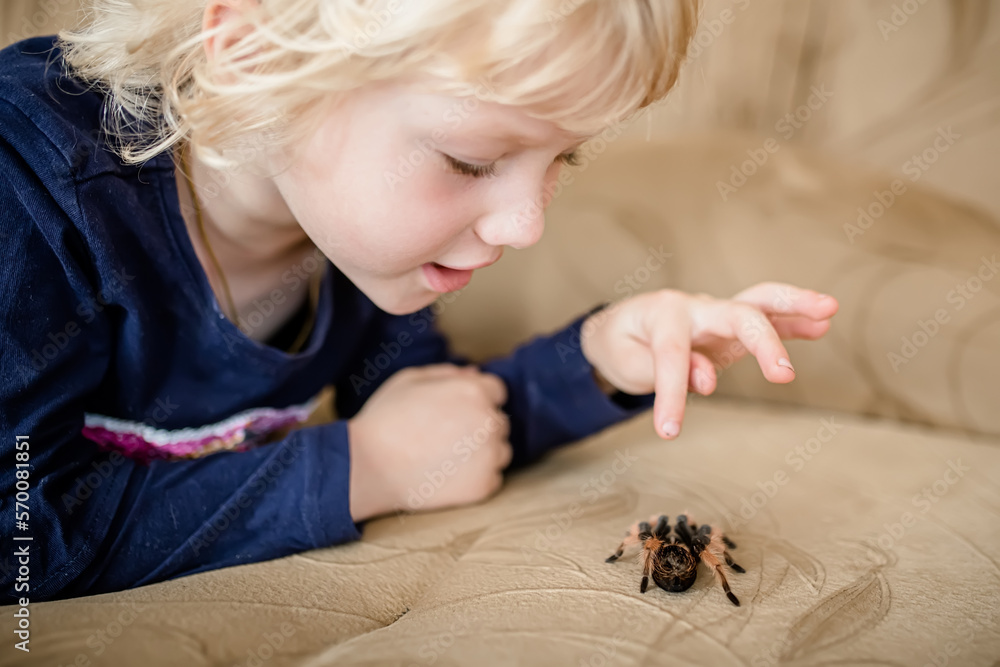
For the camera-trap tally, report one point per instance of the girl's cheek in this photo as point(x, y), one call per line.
point(432, 206)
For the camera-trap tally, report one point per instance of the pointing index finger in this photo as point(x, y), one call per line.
point(671, 347)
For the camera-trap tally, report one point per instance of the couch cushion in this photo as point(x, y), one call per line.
point(839, 546)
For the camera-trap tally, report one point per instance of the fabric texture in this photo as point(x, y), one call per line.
point(847, 563)
point(863, 496)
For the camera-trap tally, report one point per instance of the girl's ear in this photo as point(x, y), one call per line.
point(224, 23)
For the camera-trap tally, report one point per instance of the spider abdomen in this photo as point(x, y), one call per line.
point(675, 569)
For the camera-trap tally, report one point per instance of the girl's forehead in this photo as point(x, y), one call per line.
point(497, 122)
point(488, 108)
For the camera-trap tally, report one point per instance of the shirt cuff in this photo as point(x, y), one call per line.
point(593, 410)
point(330, 487)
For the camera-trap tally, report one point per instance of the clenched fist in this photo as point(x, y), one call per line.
point(429, 437)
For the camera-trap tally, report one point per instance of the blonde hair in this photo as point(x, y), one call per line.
point(273, 82)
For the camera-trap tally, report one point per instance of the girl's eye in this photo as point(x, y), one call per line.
point(474, 170)
point(572, 159)
point(481, 171)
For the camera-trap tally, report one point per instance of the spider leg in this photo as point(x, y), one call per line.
point(712, 562)
point(631, 537)
point(650, 550)
point(728, 542)
point(684, 532)
point(648, 563)
point(719, 544)
point(627, 542)
point(704, 536)
point(731, 563)
point(699, 543)
point(662, 529)
point(692, 526)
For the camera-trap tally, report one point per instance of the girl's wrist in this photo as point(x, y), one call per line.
point(363, 505)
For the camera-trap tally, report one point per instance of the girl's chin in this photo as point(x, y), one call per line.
point(409, 296)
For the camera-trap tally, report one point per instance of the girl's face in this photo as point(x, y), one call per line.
point(396, 180)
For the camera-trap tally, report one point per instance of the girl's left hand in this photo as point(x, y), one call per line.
point(670, 341)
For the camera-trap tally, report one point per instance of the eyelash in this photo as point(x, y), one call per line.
point(480, 171)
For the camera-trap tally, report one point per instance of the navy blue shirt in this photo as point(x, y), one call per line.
point(110, 333)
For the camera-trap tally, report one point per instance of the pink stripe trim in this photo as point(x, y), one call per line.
point(238, 433)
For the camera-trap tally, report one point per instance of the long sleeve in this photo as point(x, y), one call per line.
point(99, 521)
point(552, 397)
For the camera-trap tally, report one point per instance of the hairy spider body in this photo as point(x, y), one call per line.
point(672, 560)
point(676, 570)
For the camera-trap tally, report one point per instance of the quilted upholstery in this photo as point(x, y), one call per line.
point(864, 496)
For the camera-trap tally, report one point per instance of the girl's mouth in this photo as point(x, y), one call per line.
point(442, 279)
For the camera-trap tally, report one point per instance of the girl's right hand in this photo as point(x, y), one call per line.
point(429, 437)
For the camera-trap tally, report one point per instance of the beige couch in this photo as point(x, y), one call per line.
point(864, 496)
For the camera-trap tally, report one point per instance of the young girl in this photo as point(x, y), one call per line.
point(215, 209)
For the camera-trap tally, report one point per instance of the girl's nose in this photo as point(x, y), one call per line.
point(518, 219)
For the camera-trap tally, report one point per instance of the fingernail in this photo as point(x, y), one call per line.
point(824, 296)
point(786, 363)
point(671, 429)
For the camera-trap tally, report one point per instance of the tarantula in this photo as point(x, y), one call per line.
point(673, 561)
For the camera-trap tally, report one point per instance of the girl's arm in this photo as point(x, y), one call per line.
point(553, 395)
point(101, 522)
